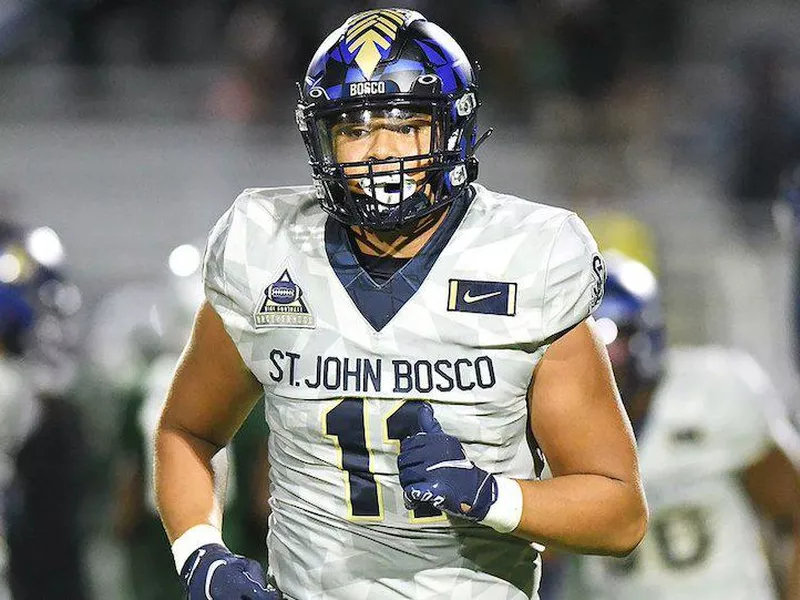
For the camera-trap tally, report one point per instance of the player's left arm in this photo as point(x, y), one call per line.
point(773, 484)
point(594, 503)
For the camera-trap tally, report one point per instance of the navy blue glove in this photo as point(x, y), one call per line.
point(213, 572)
point(434, 470)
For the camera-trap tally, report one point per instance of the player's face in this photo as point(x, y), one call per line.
point(381, 135)
point(396, 133)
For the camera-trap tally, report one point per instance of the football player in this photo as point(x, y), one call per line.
point(412, 332)
point(39, 452)
point(714, 446)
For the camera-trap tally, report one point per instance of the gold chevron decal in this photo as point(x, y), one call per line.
point(369, 33)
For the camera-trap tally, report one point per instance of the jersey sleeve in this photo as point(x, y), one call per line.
point(574, 279)
point(226, 278)
point(214, 276)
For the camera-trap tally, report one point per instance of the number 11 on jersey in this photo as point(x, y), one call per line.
point(347, 423)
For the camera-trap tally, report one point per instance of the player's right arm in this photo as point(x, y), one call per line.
point(211, 394)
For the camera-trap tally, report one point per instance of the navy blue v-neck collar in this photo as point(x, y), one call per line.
point(379, 303)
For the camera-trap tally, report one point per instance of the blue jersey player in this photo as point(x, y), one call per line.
point(419, 339)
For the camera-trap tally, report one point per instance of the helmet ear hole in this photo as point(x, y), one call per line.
point(472, 169)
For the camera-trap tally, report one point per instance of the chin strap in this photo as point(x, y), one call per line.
point(485, 136)
point(472, 162)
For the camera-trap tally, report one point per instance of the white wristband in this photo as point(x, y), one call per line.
point(192, 539)
point(506, 512)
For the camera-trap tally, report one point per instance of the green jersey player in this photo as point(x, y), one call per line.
point(419, 340)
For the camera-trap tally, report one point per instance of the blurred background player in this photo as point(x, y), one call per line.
point(41, 437)
point(18, 405)
point(151, 573)
point(713, 443)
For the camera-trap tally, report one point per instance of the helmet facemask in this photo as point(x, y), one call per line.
point(385, 190)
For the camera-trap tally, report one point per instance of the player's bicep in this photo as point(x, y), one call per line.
point(576, 414)
point(212, 390)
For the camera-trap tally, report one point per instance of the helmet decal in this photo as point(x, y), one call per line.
point(370, 34)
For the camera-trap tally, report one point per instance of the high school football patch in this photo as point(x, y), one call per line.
point(283, 305)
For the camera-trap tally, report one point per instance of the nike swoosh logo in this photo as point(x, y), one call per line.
point(469, 298)
point(214, 566)
point(461, 463)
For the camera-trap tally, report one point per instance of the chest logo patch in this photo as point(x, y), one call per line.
point(283, 305)
point(484, 297)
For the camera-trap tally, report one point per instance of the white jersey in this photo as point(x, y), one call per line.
point(342, 359)
point(711, 418)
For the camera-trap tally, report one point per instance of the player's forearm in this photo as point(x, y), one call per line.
point(184, 481)
point(590, 514)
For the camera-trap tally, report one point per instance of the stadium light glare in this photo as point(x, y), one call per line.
point(184, 260)
point(45, 246)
